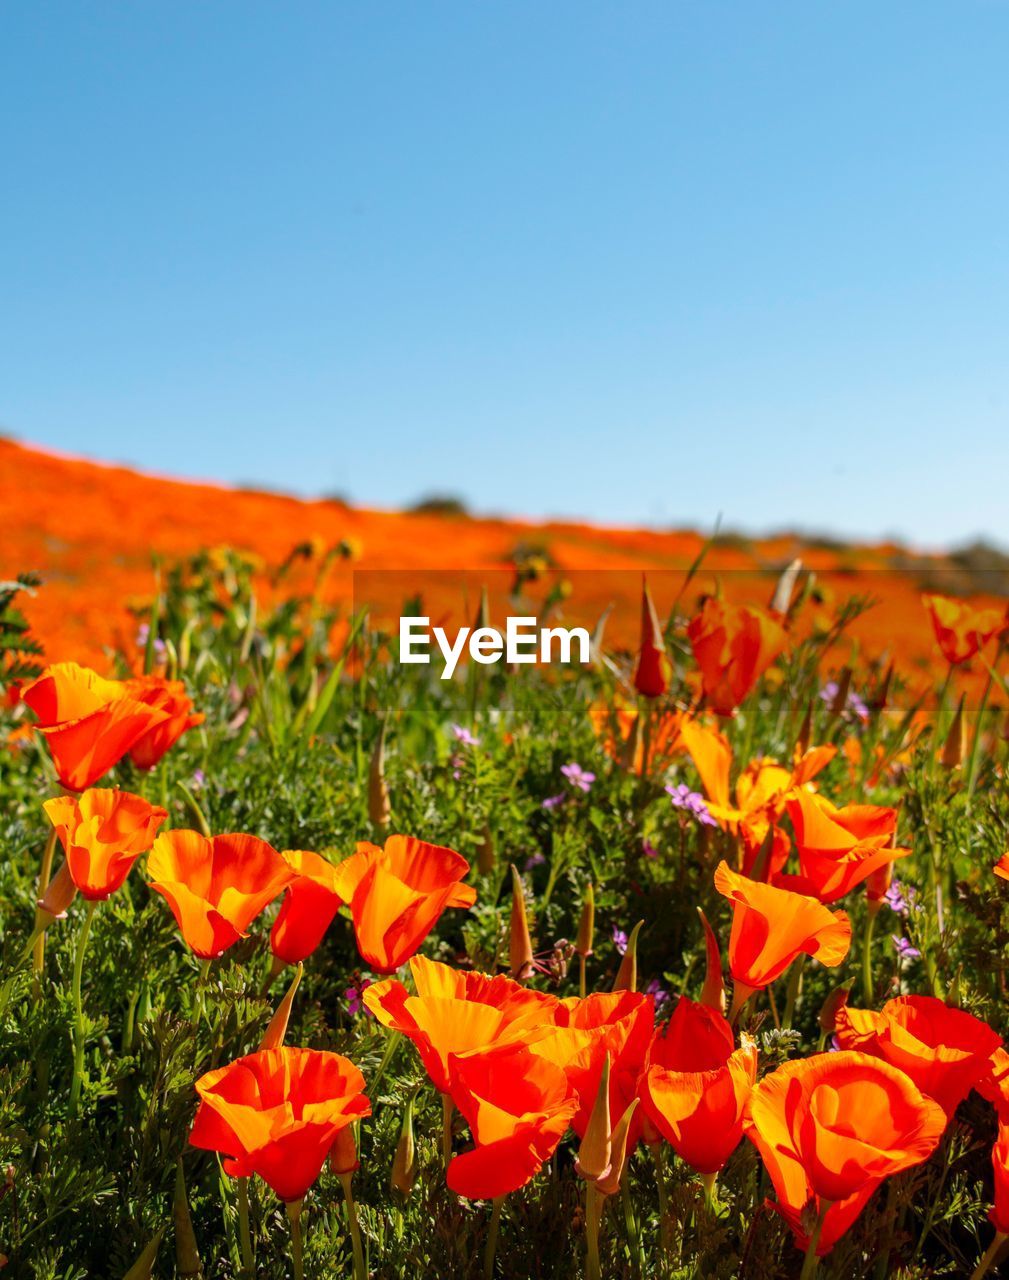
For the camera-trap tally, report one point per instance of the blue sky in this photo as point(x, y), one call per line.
point(639, 263)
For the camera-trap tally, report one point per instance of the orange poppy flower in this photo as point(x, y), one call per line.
point(762, 789)
point(1001, 868)
point(840, 848)
point(771, 926)
point(454, 1012)
point(831, 1127)
point(277, 1113)
point(103, 832)
point(170, 697)
point(960, 629)
point(733, 646)
point(651, 675)
point(945, 1051)
point(696, 1083)
point(89, 723)
point(617, 1023)
point(518, 1107)
point(396, 895)
point(310, 903)
point(998, 1215)
point(215, 886)
point(618, 727)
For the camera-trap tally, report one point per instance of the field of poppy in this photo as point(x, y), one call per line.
point(690, 961)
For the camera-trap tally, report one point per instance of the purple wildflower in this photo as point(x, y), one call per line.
point(691, 801)
point(648, 849)
point(463, 735)
point(894, 898)
point(657, 992)
point(904, 949)
point(854, 707)
point(198, 781)
point(555, 802)
point(354, 995)
point(143, 634)
point(581, 779)
point(620, 940)
point(534, 860)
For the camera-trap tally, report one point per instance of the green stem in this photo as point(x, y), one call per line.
point(660, 1182)
point(867, 983)
point(581, 976)
point(82, 942)
point(940, 709)
point(447, 1109)
point(39, 947)
point(708, 1182)
point(297, 1245)
point(244, 1232)
point(794, 987)
point(811, 1262)
point(972, 764)
point(991, 1253)
point(490, 1249)
point(593, 1210)
point(360, 1271)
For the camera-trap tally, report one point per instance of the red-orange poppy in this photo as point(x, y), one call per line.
point(396, 895)
point(518, 1107)
point(945, 1051)
point(89, 723)
point(771, 926)
point(616, 1023)
point(170, 697)
point(277, 1113)
point(651, 675)
point(960, 629)
point(830, 1128)
point(696, 1083)
point(733, 646)
point(103, 832)
point(998, 1215)
point(454, 1012)
point(840, 848)
point(215, 886)
point(761, 793)
point(309, 905)
point(1001, 868)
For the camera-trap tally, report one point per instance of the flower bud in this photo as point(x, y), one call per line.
point(404, 1164)
point(627, 974)
point(609, 1185)
point(651, 675)
point(59, 894)
point(833, 1005)
point(713, 991)
point(595, 1150)
point(521, 949)
point(187, 1255)
point(955, 747)
point(275, 1032)
point(343, 1159)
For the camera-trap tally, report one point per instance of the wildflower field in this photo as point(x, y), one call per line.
point(686, 961)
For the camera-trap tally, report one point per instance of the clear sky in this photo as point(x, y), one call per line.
point(638, 262)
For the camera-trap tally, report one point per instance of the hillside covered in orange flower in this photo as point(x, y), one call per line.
point(92, 532)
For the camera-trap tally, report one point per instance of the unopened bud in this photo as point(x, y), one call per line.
point(627, 974)
point(955, 747)
point(521, 948)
